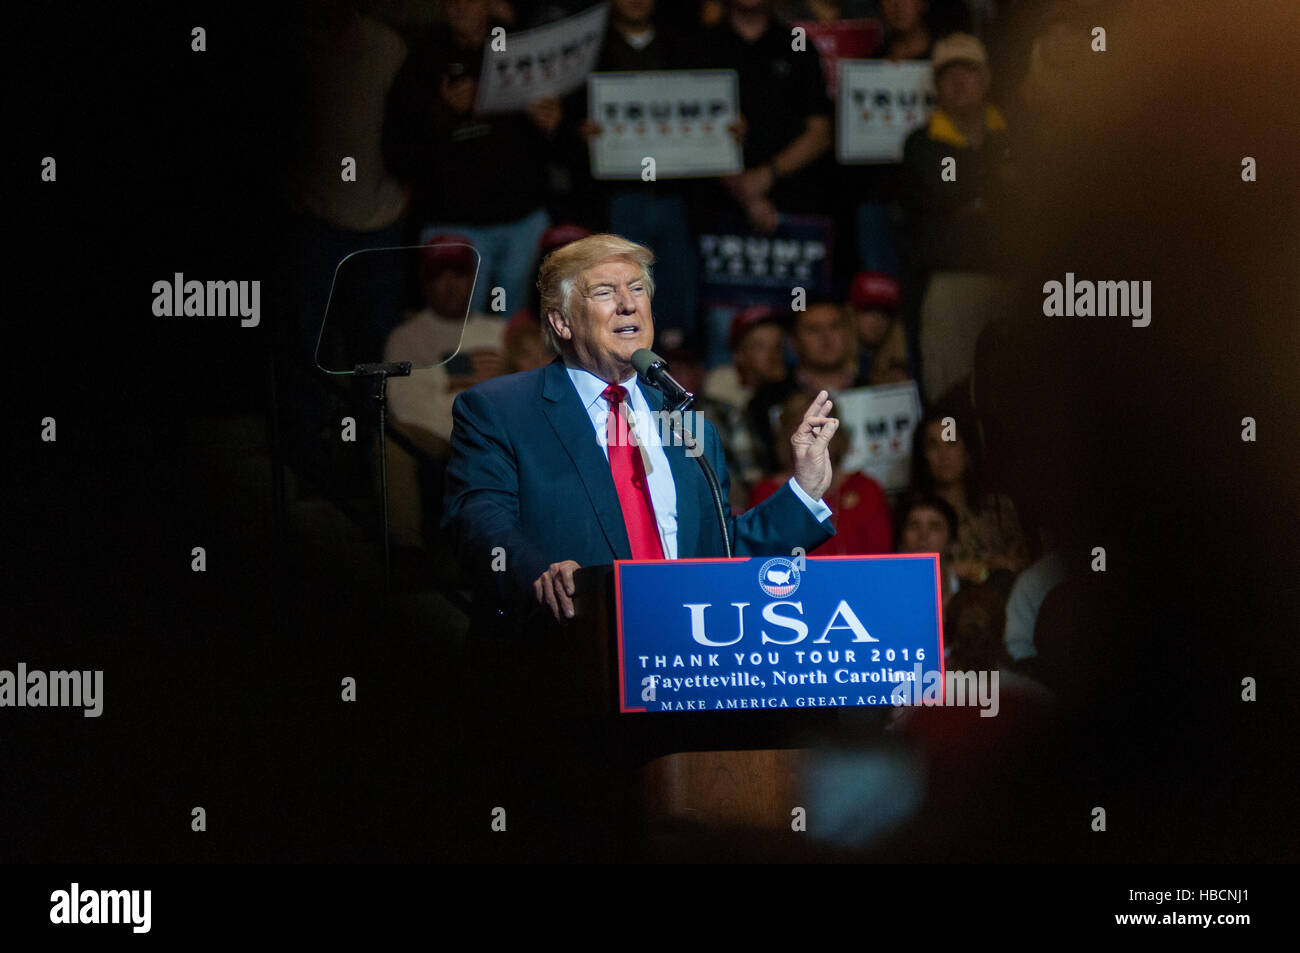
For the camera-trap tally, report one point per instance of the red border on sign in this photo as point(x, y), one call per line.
point(618, 604)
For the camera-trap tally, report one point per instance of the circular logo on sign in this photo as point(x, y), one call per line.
point(778, 577)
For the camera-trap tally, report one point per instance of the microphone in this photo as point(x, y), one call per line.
point(654, 370)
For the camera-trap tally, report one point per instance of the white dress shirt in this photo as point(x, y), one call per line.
point(663, 491)
point(1031, 589)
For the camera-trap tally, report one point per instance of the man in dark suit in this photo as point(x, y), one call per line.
point(544, 478)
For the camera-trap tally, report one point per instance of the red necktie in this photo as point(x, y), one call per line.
point(628, 470)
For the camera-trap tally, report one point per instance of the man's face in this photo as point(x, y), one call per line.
point(926, 531)
point(961, 87)
point(610, 319)
point(873, 325)
point(448, 291)
point(758, 357)
point(821, 338)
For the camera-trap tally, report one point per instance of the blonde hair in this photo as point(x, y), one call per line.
point(557, 279)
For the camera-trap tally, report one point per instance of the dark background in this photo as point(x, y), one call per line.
point(221, 688)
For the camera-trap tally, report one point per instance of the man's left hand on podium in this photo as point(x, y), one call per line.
point(555, 588)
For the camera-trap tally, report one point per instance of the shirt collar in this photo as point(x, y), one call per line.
point(590, 387)
point(943, 129)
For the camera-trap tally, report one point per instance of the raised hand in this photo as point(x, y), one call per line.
point(811, 442)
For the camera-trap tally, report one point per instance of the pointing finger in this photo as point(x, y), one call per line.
point(816, 406)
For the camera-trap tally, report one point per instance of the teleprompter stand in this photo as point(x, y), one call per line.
point(380, 373)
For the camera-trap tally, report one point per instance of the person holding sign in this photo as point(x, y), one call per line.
point(653, 212)
point(565, 466)
point(480, 176)
point(787, 129)
point(877, 184)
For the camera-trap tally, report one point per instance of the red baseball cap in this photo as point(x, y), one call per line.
point(449, 251)
point(559, 235)
point(747, 319)
point(875, 291)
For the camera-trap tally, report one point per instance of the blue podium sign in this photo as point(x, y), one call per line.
point(775, 632)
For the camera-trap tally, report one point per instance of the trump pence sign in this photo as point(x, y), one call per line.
point(775, 632)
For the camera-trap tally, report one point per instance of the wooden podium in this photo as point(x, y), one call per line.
point(696, 771)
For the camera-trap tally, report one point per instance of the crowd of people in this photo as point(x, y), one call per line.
point(918, 262)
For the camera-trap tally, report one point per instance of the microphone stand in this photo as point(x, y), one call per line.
point(710, 476)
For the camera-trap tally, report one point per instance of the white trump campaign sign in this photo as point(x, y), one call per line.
point(880, 422)
point(678, 118)
point(551, 60)
point(880, 103)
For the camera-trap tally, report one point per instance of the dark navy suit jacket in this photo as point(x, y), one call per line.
point(528, 475)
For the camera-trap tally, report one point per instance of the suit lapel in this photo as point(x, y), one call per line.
point(682, 467)
point(572, 426)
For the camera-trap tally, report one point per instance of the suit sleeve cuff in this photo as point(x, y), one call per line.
point(820, 511)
